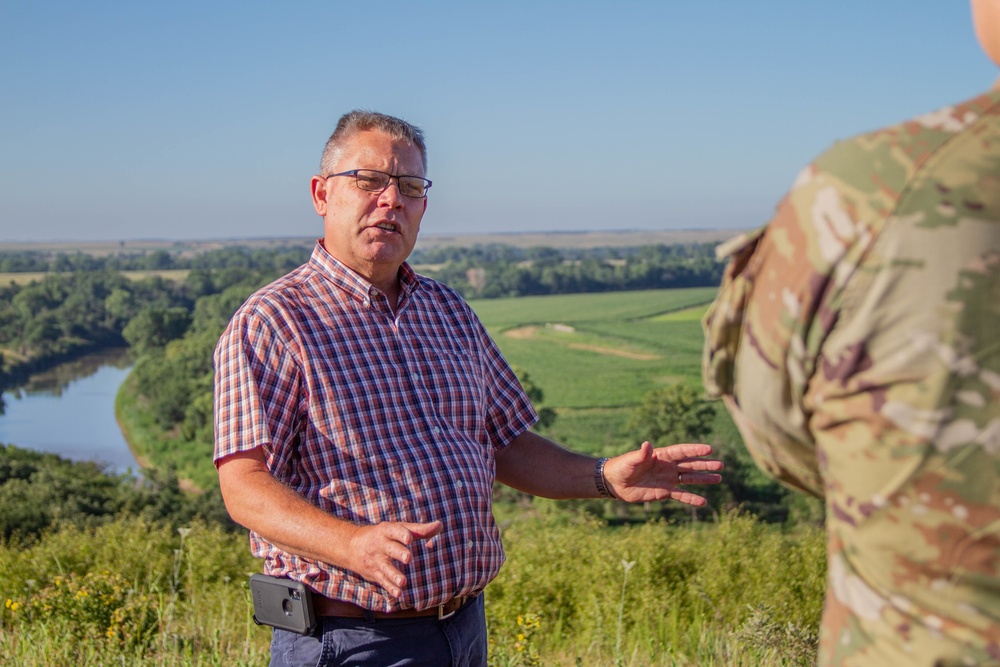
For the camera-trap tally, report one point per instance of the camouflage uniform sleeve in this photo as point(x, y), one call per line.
point(855, 341)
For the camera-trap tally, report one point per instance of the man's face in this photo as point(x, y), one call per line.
point(371, 232)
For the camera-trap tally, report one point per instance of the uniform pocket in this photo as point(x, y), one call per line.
point(723, 322)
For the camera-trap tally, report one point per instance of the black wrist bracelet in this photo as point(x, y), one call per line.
point(602, 487)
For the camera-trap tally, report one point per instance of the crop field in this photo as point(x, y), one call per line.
point(595, 356)
point(27, 277)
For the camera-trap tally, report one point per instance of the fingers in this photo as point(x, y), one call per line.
point(646, 474)
point(378, 549)
point(424, 531)
point(636, 457)
point(683, 451)
point(694, 477)
point(688, 498)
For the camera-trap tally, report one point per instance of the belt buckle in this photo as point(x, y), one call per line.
point(441, 613)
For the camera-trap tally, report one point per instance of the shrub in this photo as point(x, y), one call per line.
point(100, 606)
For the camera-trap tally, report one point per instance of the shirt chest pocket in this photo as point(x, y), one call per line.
point(452, 379)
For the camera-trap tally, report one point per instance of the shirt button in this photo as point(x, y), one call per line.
point(468, 545)
point(437, 430)
point(367, 303)
point(415, 377)
point(459, 484)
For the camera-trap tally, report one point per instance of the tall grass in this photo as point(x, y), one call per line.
point(129, 593)
point(573, 592)
point(659, 594)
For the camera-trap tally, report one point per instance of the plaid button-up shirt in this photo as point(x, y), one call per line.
point(373, 416)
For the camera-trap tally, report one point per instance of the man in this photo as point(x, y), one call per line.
point(363, 415)
point(855, 341)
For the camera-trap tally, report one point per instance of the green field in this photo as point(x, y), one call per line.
point(597, 355)
point(27, 277)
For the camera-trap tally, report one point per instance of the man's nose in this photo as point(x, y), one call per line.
point(391, 196)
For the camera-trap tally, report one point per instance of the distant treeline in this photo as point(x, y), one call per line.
point(506, 271)
point(482, 271)
point(280, 259)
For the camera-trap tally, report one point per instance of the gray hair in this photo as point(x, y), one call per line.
point(360, 120)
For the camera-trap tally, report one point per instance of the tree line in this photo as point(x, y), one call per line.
point(62, 316)
point(282, 259)
point(482, 271)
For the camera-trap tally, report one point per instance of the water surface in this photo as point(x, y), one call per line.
point(70, 410)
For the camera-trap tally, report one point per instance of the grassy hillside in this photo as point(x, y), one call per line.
point(573, 592)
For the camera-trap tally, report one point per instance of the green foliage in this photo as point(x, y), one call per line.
point(517, 645)
point(100, 607)
point(765, 634)
point(502, 271)
point(596, 431)
point(488, 271)
point(39, 491)
point(671, 415)
point(280, 258)
point(573, 591)
point(130, 592)
point(546, 416)
point(155, 327)
point(503, 314)
point(167, 448)
point(165, 404)
point(589, 585)
point(65, 315)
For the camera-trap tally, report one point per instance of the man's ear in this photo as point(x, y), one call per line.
point(319, 194)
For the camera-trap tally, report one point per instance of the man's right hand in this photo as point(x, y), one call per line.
point(257, 500)
point(375, 551)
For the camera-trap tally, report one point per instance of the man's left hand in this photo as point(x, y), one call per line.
point(650, 473)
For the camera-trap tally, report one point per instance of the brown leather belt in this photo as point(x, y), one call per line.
point(324, 606)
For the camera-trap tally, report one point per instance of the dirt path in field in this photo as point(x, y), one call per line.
point(524, 333)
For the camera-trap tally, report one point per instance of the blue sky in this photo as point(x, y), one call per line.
point(184, 120)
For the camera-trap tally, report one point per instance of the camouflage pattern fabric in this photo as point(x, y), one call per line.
point(856, 341)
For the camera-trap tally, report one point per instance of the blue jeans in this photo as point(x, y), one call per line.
point(459, 641)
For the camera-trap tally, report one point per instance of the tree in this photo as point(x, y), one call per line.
point(546, 416)
point(671, 415)
point(155, 327)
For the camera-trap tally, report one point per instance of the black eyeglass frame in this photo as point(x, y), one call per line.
point(354, 173)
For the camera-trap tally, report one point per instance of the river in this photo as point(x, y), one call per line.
point(70, 410)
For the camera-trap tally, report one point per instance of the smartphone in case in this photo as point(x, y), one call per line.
point(282, 603)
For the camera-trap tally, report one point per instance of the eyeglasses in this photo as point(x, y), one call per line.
point(371, 180)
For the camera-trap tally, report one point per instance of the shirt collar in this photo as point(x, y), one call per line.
point(349, 281)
